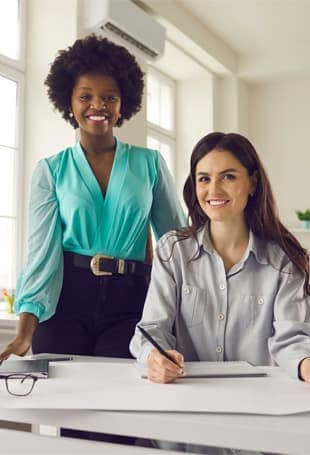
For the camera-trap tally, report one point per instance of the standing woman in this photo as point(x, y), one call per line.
point(83, 287)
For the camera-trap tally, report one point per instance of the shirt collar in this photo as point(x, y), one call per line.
point(255, 246)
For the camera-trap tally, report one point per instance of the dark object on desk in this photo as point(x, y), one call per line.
point(52, 357)
point(37, 368)
point(157, 346)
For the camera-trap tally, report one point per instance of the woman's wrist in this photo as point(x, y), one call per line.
point(304, 369)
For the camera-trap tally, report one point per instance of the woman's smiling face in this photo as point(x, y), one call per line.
point(223, 186)
point(96, 103)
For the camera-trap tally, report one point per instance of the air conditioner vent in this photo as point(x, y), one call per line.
point(125, 36)
point(125, 23)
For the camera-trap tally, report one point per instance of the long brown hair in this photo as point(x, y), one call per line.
point(260, 213)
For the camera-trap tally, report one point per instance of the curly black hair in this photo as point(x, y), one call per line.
point(95, 54)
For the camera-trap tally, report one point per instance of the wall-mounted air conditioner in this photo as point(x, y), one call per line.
point(127, 24)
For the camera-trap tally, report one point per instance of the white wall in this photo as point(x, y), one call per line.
point(194, 119)
point(51, 25)
point(231, 108)
point(279, 127)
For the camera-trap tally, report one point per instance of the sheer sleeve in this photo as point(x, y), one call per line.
point(167, 213)
point(39, 284)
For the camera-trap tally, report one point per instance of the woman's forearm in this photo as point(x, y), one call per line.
point(26, 325)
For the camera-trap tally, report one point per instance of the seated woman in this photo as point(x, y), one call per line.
point(234, 284)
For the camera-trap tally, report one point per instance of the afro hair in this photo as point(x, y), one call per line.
point(94, 54)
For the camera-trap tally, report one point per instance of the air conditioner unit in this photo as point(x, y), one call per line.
point(127, 24)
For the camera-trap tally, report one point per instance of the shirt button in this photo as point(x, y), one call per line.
point(186, 291)
point(221, 316)
point(260, 301)
point(218, 349)
point(222, 286)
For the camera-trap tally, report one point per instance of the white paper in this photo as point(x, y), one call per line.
point(118, 387)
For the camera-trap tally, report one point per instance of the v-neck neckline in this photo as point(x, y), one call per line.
point(91, 180)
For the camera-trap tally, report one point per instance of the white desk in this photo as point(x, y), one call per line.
point(278, 434)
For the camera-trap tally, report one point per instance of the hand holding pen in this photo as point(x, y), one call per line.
point(162, 366)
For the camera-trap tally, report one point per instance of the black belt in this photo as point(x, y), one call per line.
point(101, 265)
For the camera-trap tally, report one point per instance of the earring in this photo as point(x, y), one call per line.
point(71, 114)
point(251, 194)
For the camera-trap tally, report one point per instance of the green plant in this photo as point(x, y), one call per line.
point(303, 216)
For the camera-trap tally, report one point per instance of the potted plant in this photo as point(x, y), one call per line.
point(304, 218)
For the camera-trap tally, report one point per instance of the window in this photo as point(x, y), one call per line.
point(160, 115)
point(11, 95)
point(9, 28)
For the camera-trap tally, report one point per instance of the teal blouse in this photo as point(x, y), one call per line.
point(68, 212)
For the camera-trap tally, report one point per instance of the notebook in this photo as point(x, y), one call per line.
point(38, 368)
point(234, 369)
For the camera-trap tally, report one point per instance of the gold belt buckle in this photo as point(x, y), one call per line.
point(95, 263)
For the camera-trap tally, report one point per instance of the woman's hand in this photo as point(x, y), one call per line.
point(162, 370)
point(21, 343)
point(304, 369)
point(18, 346)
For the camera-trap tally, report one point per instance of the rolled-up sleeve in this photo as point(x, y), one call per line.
point(39, 284)
point(160, 307)
point(291, 341)
point(166, 213)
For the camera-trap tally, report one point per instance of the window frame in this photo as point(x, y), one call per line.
point(158, 132)
point(14, 69)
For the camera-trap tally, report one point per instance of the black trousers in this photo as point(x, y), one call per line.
point(95, 316)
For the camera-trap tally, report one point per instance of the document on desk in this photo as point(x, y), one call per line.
point(202, 369)
point(118, 387)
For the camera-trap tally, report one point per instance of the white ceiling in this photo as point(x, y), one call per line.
point(255, 26)
point(271, 34)
point(270, 39)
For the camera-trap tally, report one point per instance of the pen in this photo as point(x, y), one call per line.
point(157, 346)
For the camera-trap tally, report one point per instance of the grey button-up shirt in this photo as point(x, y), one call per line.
point(256, 311)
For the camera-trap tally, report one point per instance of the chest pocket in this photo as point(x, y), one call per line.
point(193, 305)
point(260, 316)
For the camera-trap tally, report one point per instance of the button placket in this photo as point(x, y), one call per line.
point(221, 310)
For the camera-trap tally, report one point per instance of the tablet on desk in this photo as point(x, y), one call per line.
point(38, 368)
point(203, 369)
point(234, 369)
